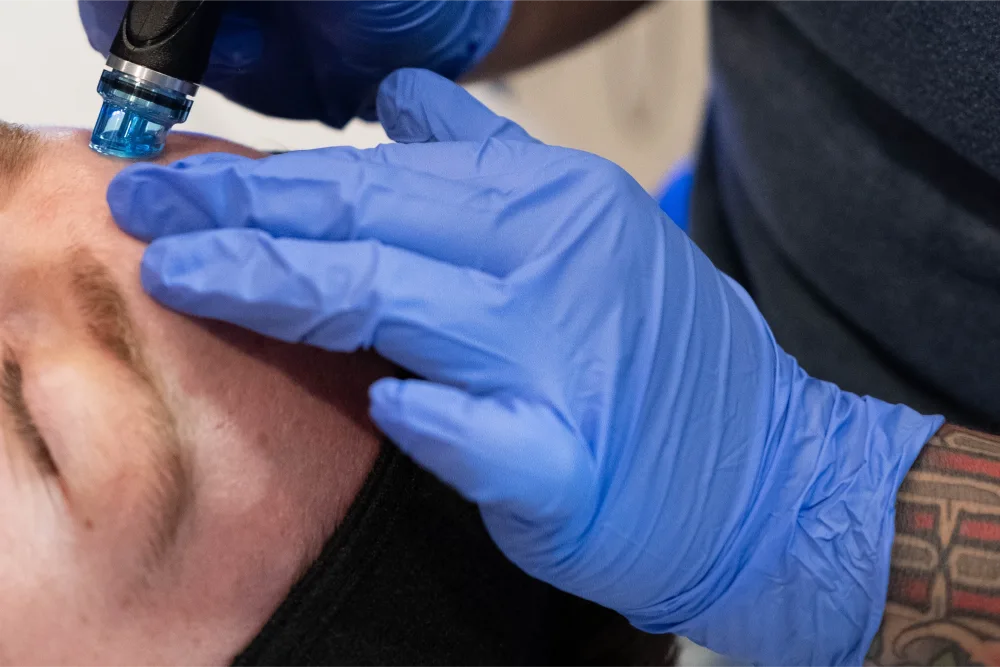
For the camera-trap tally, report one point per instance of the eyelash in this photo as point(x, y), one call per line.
point(12, 392)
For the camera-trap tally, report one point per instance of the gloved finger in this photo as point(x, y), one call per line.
point(419, 106)
point(336, 195)
point(321, 194)
point(495, 452)
point(101, 19)
point(431, 318)
point(239, 42)
point(284, 59)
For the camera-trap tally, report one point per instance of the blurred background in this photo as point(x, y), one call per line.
point(634, 96)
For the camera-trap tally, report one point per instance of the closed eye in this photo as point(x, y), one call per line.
point(12, 394)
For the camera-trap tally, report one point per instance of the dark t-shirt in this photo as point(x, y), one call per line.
point(849, 178)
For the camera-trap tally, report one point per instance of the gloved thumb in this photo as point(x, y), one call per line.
point(504, 454)
point(101, 19)
point(419, 106)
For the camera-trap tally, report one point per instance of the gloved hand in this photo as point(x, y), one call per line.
point(615, 405)
point(324, 60)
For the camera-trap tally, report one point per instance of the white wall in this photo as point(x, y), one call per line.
point(633, 96)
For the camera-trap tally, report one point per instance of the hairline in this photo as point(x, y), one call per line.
point(19, 148)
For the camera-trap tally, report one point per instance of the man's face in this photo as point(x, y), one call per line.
point(163, 481)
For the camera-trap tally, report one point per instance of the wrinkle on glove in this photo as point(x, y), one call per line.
point(616, 406)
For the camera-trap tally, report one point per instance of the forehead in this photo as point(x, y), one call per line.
point(18, 148)
point(65, 156)
point(57, 204)
point(57, 184)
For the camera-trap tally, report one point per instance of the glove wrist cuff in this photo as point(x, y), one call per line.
point(813, 548)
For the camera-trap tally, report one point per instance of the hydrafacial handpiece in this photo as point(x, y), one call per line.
point(157, 60)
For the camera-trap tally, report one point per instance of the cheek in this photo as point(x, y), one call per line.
point(49, 603)
point(36, 550)
point(52, 624)
point(34, 531)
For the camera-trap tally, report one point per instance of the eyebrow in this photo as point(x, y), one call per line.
point(18, 150)
point(108, 323)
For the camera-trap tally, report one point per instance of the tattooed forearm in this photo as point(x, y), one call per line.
point(943, 606)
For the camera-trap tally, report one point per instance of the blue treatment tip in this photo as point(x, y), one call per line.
point(136, 116)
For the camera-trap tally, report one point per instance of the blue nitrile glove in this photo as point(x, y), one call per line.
point(324, 60)
point(616, 405)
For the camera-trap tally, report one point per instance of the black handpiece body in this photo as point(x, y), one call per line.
point(172, 38)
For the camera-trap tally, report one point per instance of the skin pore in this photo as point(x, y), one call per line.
point(163, 481)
